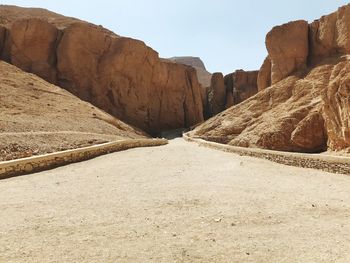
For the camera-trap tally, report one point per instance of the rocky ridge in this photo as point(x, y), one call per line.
point(120, 75)
point(304, 99)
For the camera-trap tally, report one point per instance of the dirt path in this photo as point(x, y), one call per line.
point(175, 203)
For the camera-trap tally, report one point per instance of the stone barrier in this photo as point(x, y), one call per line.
point(52, 160)
point(328, 163)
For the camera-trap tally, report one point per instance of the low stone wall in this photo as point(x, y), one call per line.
point(52, 160)
point(328, 163)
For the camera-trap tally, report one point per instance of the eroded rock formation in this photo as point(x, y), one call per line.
point(217, 94)
point(230, 90)
point(304, 99)
point(120, 75)
point(336, 107)
point(244, 85)
point(288, 49)
point(264, 75)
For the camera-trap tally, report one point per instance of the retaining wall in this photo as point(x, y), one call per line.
point(328, 163)
point(52, 160)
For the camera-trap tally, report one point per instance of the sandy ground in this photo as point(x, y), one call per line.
point(175, 203)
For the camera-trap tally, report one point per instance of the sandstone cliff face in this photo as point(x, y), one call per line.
point(230, 90)
point(119, 75)
point(264, 75)
point(244, 85)
point(276, 118)
point(217, 94)
point(330, 35)
point(288, 49)
point(304, 99)
point(336, 107)
point(2, 38)
point(32, 47)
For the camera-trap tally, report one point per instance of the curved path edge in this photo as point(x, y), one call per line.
point(327, 163)
point(48, 161)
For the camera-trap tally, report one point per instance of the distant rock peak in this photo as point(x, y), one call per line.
point(189, 61)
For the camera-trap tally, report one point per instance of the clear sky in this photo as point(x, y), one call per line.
point(226, 34)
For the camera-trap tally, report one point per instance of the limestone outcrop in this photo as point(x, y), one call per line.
point(32, 47)
point(230, 90)
point(244, 85)
point(336, 107)
point(288, 48)
point(264, 75)
point(120, 75)
point(217, 94)
point(303, 103)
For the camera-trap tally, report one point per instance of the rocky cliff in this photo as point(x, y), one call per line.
point(304, 99)
point(229, 90)
point(120, 75)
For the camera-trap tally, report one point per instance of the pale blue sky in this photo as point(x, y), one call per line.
point(226, 34)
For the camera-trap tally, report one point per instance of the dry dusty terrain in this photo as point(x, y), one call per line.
point(175, 203)
point(37, 118)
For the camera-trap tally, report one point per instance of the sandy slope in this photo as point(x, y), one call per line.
point(175, 203)
point(37, 117)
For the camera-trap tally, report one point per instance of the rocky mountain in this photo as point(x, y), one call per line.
point(120, 75)
point(304, 99)
point(37, 117)
point(204, 77)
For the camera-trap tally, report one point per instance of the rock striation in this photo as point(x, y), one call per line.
point(120, 75)
point(303, 103)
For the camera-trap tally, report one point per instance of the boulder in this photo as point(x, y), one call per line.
point(310, 133)
point(288, 49)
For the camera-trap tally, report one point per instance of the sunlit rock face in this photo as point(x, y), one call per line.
point(120, 75)
point(303, 103)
